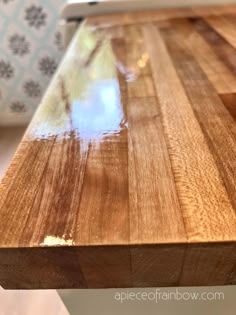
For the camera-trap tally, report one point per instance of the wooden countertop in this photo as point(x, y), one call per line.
point(126, 176)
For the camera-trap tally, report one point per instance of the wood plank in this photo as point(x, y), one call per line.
point(217, 72)
point(146, 16)
point(154, 208)
point(230, 18)
point(139, 17)
point(36, 154)
point(104, 219)
point(39, 267)
point(106, 266)
point(219, 131)
point(189, 169)
point(225, 26)
point(221, 257)
point(214, 10)
point(60, 189)
point(223, 49)
point(149, 265)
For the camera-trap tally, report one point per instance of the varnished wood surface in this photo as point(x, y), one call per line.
point(127, 174)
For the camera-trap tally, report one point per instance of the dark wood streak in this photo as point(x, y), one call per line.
point(66, 99)
point(94, 51)
point(229, 101)
point(65, 96)
point(120, 50)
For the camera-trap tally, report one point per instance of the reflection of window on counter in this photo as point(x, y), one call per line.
point(100, 113)
point(85, 95)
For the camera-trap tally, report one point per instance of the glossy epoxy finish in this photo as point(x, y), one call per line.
point(126, 175)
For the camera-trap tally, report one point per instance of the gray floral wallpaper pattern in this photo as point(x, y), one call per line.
point(30, 51)
point(6, 70)
point(18, 45)
point(47, 66)
point(35, 16)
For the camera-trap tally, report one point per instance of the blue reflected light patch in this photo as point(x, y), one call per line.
point(100, 113)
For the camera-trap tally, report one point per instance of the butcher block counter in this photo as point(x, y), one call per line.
point(126, 176)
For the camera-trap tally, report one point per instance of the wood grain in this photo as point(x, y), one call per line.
point(222, 47)
point(162, 15)
point(219, 131)
point(217, 72)
point(126, 174)
point(225, 26)
point(154, 209)
point(197, 201)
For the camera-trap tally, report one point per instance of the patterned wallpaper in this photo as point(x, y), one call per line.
point(30, 50)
